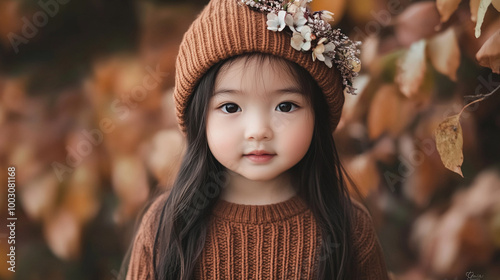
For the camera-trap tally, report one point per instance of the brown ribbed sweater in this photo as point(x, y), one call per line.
point(276, 241)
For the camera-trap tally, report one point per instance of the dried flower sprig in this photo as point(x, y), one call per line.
point(313, 32)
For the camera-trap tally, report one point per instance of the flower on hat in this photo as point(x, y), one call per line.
point(295, 20)
point(276, 22)
point(321, 52)
point(327, 16)
point(306, 28)
point(302, 40)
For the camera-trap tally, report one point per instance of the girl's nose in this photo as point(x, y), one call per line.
point(258, 128)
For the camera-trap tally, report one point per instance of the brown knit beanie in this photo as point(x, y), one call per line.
point(227, 28)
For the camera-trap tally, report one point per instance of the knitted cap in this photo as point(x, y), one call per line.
point(227, 28)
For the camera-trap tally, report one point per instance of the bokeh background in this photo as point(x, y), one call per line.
point(87, 119)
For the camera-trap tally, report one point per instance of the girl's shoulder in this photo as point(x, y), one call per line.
point(150, 218)
point(140, 265)
point(360, 211)
point(362, 224)
point(366, 245)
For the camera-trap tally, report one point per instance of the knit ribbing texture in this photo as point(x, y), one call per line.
point(276, 241)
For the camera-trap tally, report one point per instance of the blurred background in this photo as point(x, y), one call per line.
point(87, 119)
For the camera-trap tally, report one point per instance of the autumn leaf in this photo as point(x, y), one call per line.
point(444, 53)
point(449, 143)
point(389, 112)
point(446, 8)
point(412, 69)
point(130, 183)
point(483, 7)
point(63, 235)
point(165, 154)
point(39, 196)
point(417, 22)
point(474, 6)
point(81, 194)
point(496, 4)
point(489, 54)
point(336, 7)
point(449, 140)
point(363, 170)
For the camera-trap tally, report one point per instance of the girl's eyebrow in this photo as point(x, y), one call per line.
point(288, 90)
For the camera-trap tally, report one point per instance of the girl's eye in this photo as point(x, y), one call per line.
point(230, 108)
point(286, 107)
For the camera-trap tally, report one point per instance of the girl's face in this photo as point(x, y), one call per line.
point(257, 108)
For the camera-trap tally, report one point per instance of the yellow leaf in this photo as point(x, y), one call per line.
point(446, 8)
point(412, 69)
point(449, 143)
point(444, 53)
point(474, 6)
point(363, 170)
point(336, 7)
point(496, 4)
point(489, 54)
point(483, 7)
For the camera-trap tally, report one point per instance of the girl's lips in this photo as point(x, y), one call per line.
point(259, 158)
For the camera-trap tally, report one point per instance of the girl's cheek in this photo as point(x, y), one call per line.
point(219, 133)
point(299, 133)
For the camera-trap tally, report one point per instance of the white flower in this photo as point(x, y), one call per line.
point(322, 51)
point(302, 40)
point(292, 8)
point(295, 21)
point(297, 41)
point(299, 19)
point(328, 61)
point(301, 3)
point(276, 22)
point(327, 16)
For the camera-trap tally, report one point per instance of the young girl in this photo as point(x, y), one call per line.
point(260, 193)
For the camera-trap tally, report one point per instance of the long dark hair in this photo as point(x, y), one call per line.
point(182, 225)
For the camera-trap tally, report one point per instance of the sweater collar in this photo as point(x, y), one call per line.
point(257, 214)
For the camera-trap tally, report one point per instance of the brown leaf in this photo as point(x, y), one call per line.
point(483, 7)
point(449, 143)
point(81, 197)
point(63, 234)
point(165, 155)
point(495, 229)
point(474, 6)
point(360, 11)
point(444, 53)
point(369, 53)
point(446, 8)
point(10, 14)
point(336, 7)
point(496, 4)
point(412, 68)
point(421, 167)
point(489, 54)
point(13, 95)
point(39, 196)
point(363, 170)
point(385, 113)
point(417, 22)
point(130, 183)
